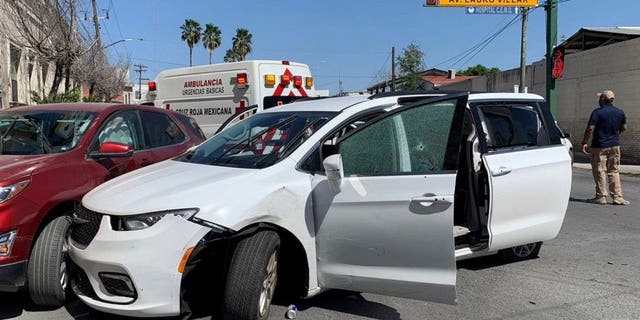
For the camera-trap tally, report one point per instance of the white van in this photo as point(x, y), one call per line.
point(213, 93)
point(378, 194)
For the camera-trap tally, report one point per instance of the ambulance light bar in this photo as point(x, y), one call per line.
point(241, 78)
point(270, 79)
point(309, 82)
point(285, 79)
point(297, 81)
point(152, 86)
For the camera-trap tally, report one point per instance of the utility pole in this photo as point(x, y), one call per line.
point(141, 68)
point(339, 83)
point(96, 23)
point(551, 7)
point(393, 69)
point(523, 50)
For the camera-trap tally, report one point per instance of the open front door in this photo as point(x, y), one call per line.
point(385, 224)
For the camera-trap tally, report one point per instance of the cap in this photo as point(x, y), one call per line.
point(607, 94)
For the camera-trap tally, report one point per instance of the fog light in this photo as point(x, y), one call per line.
point(6, 243)
point(118, 284)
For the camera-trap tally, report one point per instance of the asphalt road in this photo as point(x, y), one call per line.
point(591, 271)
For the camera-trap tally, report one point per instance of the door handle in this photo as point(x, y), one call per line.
point(500, 171)
point(427, 201)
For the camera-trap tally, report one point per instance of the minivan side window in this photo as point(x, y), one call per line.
point(512, 126)
point(160, 130)
point(413, 141)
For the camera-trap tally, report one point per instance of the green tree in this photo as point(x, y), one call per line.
point(211, 39)
point(410, 63)
point(479, 70)
point(242, 43)
point(231, 56)
point(191, 31)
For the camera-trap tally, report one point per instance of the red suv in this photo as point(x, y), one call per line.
point(50, 156)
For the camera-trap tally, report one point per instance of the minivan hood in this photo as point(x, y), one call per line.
point(163, 186)
point(15, 166)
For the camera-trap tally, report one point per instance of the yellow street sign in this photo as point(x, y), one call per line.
point(486, 3)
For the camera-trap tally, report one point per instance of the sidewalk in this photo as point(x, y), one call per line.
point(624, 169)
point(582, 162)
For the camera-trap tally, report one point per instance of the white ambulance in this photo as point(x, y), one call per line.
point(213, 93)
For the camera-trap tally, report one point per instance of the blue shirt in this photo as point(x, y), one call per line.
point(607, 121)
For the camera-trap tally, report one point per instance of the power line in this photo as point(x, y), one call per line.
point(512, 22)
point(379, 71)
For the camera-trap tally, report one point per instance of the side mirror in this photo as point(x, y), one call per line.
point(333, 167)
point(567, 135)
point(113, 150)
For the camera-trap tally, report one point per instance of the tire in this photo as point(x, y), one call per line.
point(252, 277)
point(47, 272)
point(519, 253)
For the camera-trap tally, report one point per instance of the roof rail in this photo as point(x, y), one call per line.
point(407, 93)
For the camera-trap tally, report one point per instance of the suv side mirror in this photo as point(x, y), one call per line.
point(113, 150)
point(567, 134)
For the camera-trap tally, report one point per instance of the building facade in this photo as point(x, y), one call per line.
point(21, 70)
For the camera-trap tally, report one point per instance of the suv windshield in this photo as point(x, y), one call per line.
point(258, 141)
point(39, 132)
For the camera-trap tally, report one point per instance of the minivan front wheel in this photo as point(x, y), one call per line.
point(252, 277)
point(47, 270)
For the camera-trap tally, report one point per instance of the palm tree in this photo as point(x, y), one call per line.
point(242, 43)
point(191, 34)
point(211, 39)
point(231, 56)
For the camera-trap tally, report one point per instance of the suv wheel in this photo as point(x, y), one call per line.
point(47, 271)
point(519, 253)
point(252, 277)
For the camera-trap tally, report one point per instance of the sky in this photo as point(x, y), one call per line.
point(347, 40)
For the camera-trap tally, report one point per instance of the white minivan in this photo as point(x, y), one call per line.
point(374, 194)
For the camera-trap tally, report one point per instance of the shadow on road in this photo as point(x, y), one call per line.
point(482, 263)
point(351, 303)
point(14, 305)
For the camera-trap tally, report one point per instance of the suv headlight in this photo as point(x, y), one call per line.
point(6, 243)
point(9, 192)
point(146, 220)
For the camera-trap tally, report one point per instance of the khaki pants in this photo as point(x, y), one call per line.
point(605, 165)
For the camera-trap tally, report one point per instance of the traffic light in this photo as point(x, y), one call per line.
point(558, 62)
point(431, 3)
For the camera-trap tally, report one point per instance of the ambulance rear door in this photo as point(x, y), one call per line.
point(282, 83)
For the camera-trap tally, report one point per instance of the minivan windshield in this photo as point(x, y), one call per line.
point(40, 132)
point(259, 141)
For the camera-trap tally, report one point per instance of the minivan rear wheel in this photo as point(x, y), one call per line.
point(519, 253)
point(47, 270)
point(252, 277)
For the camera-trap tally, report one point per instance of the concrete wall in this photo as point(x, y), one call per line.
point(615, 67)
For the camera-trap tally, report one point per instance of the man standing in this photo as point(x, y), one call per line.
point(605, 124)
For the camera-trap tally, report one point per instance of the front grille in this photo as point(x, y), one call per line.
point(85, 226)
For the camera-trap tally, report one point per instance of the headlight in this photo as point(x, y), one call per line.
point(6, 243)
point(143, 221)
point(9, 192)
